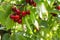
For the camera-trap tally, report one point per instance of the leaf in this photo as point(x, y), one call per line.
point(18, 36)
point(1, 0)
point(1, 9)
point(5, 17)
point(9, 23)
point(6, 37)
point(28, 26)
point(51, 3)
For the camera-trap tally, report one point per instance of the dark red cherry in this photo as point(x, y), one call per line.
point(19, 21)
point(58, 7)
point(15, 20)
point(17, 12)
point(12, 16)
point(28, 12)
point(23, 13)
point(31, 2)
point(34, 4)
point(16, 17)
point(14, 8)
point(27, 1)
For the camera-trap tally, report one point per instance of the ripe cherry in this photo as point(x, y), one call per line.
point(31, 2)
point(23, 13)
point(16, 17)
point(27, 1)
point(15, 20)
point(34, 4)
point(58, 7)
point(19, 21)
point(14, 8)
point(28, 12)
point(17, 12)
point(12, 16)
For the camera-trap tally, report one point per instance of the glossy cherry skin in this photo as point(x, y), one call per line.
point(17, 12)
point(16, 17)
point(34, 4)
point(58, 7)
point(31, 2)
point(23, 13)
point(19, 21)
point(12, 16)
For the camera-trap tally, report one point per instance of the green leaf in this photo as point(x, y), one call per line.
point(51, 4)
point(5, 16)
point(18, 36)
point(6, 37)
point(2, 9)
point(1, 0)
point(28, 26)
point(9, 23)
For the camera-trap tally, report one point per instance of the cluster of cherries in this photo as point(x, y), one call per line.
point(17, 15)
point(31, 2)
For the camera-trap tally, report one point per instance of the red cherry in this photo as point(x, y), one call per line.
point(58, 7)
point(15, 20)
point(14, 8)
point(16, 17)
point(31, 2)
point(28, 12)
point(17, 12)
point(34, 4)
point(27, 1)
point(19, 21)
point(12, 16)
point(23, 13)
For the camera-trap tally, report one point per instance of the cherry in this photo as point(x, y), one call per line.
point(16, 17)
point(15, 20)
point(19, 21)
point(12, 16)
point(27, 1)
point(31, 2)
point(17, 12)
point(28, 12)
point(23, 13)
point(34, 4)
point(14, 8)
point(58, 7)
